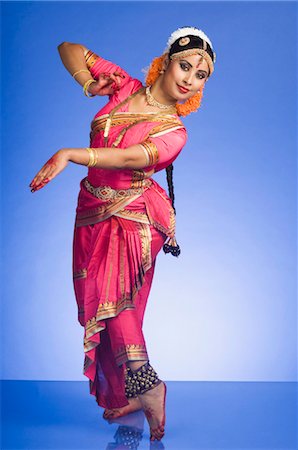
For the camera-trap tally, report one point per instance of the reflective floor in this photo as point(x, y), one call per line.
point(200, 415)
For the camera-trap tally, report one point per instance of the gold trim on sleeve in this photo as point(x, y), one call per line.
point(90, 58)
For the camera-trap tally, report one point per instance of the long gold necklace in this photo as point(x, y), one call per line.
point(152, 102)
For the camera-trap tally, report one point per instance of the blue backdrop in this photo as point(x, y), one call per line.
point(226, 308)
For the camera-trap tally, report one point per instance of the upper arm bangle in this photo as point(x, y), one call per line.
point(93, 157)
point(79, 71)
point(150, 151)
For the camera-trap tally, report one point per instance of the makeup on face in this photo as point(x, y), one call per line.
point(184, 62)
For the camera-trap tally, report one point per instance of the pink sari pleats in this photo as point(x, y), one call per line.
point(110, 263)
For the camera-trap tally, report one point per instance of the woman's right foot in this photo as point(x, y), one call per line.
point(134, 405)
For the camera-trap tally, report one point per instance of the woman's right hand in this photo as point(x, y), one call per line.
point(50, 170)
point(106, 84)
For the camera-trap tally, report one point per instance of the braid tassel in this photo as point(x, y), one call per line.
point(171, 245)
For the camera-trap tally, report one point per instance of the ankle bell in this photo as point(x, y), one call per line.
point(130, 387)
point(144, 379)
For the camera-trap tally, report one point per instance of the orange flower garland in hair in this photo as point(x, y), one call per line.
point(183, 109)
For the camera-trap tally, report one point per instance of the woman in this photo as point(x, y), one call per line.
point(123, 217)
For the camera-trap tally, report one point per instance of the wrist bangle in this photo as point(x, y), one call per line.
point(93, 157)
point(80, 71)
point(86, 86)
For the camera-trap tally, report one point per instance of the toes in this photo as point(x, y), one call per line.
point(109, 413)
point(156, 434)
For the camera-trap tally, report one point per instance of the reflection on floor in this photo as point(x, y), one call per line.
point(200, 415)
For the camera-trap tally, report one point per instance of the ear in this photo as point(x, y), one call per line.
point(166, 62)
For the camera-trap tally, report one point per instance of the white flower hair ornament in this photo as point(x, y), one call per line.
point(184, 31)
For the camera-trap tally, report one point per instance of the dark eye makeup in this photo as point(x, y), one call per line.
point(186, 66)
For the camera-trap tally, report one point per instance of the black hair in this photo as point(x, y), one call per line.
point(169, 171)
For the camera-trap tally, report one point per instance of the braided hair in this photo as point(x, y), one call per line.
point(169, 171)
point(171, 245)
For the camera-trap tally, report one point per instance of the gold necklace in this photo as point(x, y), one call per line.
point(152, 102)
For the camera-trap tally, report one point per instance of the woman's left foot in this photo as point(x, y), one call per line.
point(153, 403)
point(134, 405)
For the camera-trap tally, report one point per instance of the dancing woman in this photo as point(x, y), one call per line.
point(124, 217)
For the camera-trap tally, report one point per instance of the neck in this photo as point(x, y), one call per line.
point(160, 95)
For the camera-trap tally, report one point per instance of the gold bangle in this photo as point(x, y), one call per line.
point(86, 86)
point(150, 151)
point(93, 157)
point(80, 71)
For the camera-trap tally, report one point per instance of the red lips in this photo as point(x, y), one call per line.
point(182, 89)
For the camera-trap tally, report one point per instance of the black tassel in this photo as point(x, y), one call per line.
point(172, 247)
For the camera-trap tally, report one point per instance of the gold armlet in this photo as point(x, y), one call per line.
point(90, 58)
point(93, 157)
point(151, 152)
point(80, 71)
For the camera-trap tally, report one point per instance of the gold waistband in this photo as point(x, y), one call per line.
point(107, 193)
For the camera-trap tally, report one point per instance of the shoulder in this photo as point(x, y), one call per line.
point(173, 128)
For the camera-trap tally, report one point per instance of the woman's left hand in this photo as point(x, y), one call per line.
point(50, 170)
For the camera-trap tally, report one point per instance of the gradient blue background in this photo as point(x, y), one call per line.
point(226, 308)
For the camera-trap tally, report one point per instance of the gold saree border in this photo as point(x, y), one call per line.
point(137, 178)
point(164, 128)
point(105, 211)
point(166, 122)
point(131, 352)
point(110, 309)
point(146, 238)
point(81, 273)
point(102, 213)
point(135, 216)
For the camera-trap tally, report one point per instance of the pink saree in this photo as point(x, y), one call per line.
point(122, 221)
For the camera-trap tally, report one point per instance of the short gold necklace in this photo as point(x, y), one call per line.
point(151, 101)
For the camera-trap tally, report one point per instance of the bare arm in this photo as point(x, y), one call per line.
point(73, 59)
point(133, 157)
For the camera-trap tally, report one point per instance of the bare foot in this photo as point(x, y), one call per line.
point(134, 405)
point(153, 403)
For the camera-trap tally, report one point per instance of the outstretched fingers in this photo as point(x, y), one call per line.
point(49, 170)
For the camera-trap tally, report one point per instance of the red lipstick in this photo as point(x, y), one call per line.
point(182, 89)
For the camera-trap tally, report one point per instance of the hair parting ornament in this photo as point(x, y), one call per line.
point(182, 42)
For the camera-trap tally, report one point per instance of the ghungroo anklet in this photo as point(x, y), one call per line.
point(141, 380)
point(129, 386)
